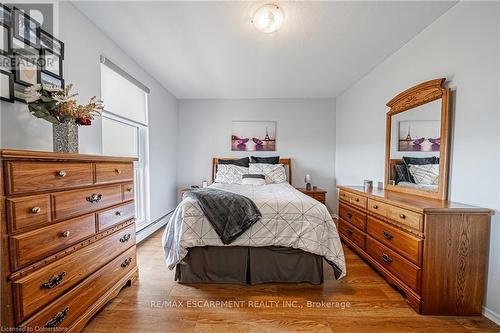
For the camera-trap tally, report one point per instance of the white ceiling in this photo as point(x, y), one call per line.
point(211, 49)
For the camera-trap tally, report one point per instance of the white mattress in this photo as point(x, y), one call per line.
point(289, 218)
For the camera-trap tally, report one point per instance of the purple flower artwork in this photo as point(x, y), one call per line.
point(419, 135)
point(253, 136)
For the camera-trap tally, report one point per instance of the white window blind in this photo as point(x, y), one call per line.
point(122, 94)
point(125, 129)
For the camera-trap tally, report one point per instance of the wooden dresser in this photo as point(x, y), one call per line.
point(434, 251)
point(67, 237)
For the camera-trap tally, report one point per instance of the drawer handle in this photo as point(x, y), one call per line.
point(388, 235)
point(118, 171)
point(94, 198)
point(402, 216)
point(62, 173)
point(36, 210)
point(57, 319)
point(118, 213)
point(126, 262)
point(349, 215)
point(53, 281)
point(66, 233)
point(349, 231)
point(125, 238)
point(375, 207)
point(130, 189)
point(357, 200)
point(386, 258)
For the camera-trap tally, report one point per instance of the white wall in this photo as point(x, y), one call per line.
point(84, 43)
point(463, 46)
point(305, 132)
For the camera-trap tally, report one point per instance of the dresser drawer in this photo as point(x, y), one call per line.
point(352, 233)
point(353, 199)
point(113, 172)
point(397, 214)
point(377, 207)
point(115, 215)
point(40, 287)
point(27, 212)
point(79, 202)
point(128, 191)
point(37, 244)
point(353, 216)
point(321, 197)
point(403, 269)
point(405, 244)
point(67, 309)
point(42, 176)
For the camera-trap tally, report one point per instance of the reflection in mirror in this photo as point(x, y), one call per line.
point(415, 142)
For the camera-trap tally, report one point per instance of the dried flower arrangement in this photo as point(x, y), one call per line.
point(58, 106)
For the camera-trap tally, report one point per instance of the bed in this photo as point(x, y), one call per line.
point(288, 244)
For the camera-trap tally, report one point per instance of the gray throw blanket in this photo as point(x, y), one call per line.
point(229, 214)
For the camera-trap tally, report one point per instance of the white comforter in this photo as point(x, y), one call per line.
point(289, 218)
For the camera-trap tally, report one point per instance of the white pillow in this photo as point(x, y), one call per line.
point(274, 173)
point(425, 174)
point(230, 174)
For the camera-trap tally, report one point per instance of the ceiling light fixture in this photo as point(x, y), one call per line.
point(268, 18)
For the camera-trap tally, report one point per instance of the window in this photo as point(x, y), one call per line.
point(125, 128)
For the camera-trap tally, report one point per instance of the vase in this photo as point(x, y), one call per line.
point(65, 137)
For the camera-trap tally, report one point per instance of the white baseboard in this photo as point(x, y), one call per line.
point(151, 229)
point(491, 315)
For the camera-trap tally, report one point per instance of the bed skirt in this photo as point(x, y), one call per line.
point(249, 265)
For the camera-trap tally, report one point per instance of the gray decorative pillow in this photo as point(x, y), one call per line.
point(230, 174)
point(274, 173)
point(254, 179)
point(425, 174)
point(401, 173)
point(265, 160)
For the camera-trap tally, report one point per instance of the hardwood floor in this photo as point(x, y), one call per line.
point(361, 302)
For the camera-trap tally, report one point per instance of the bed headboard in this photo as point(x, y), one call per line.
point(287, 163)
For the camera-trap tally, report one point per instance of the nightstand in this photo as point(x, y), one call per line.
point(318, 194)
point(183, 191)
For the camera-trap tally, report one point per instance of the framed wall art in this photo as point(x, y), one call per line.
point(6, 86)
point(51, 63)
point(49, 42)
point(25, 28)
point(5, 40)
point(5, 15)
point(253, 136)
point(27, 71)
point(50, 80)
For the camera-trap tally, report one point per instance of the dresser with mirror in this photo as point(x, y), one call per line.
point(434, 251)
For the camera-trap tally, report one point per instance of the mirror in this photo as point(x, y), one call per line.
point(417, 141)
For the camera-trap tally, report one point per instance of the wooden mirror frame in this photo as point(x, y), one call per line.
point(418, 95)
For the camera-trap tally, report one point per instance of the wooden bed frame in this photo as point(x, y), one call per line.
point(287, 163)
